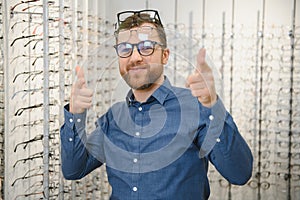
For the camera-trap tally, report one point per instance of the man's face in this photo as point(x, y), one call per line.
point(141, 72)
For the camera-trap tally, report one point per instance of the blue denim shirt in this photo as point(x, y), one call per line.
point(158, 149)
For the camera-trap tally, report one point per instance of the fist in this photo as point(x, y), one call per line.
point(81, 96)
point(201, 82)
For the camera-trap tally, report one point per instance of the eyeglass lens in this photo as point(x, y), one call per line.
point(145, 48)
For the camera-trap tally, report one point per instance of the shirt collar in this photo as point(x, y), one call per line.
point(160, 94)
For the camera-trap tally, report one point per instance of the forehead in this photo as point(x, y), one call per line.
point(146, 31)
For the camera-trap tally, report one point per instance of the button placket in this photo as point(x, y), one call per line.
point(135, 162)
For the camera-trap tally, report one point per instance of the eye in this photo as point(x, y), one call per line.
point(124, 48)
point(146, 45)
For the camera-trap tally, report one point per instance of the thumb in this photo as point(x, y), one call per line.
point(79, 72)
point(202, 65)
point(80, 77)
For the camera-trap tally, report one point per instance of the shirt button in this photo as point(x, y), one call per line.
point(134, 189)
point(211, 117)
point(140, 108)
point(78, 120)
point(218, 140)
point(137, 134)
point(71, 120)
point(135, 160)
point(70, 139)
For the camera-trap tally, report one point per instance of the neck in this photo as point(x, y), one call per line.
point(143, 94)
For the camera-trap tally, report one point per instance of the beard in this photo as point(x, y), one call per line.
point(145, 79)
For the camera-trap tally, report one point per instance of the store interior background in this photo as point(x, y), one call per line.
point(254, 49)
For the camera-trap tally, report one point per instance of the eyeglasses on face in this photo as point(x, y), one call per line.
point(151, 15)
point(145, 48)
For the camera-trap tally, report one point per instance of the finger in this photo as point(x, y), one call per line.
point(81, 93)
point(197, 77)
point(79, 72)
point(81, 98)
point(192, 78)
point(86, 92)
point(80, 83)
point(198, 86)
point(83, 105)
point(203, 92)
point(80, 77)
point(202, 65)
point(84, 99)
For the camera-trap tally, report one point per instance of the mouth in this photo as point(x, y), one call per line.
point(137, 68)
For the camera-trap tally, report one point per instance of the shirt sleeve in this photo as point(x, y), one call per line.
point(77, 160)
point(220, 141)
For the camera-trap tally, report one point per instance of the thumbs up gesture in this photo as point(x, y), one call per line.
point(81, 96)
point(201, 82)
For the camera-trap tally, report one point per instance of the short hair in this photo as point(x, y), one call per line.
point(138, 19)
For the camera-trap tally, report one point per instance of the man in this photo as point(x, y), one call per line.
point(157, 143)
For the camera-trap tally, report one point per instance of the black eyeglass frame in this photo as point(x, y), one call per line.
point(156, 15)
point(137, 46)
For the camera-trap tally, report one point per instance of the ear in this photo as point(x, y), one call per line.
point(165, 56)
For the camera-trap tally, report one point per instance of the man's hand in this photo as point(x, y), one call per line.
point(201, 82)
point(81, 96)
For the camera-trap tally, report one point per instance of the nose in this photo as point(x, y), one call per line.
point(135, 56)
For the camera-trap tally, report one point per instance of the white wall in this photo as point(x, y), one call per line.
point(277, 11)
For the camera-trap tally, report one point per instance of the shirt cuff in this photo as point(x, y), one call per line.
point(214, 118)
point(74, 120)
